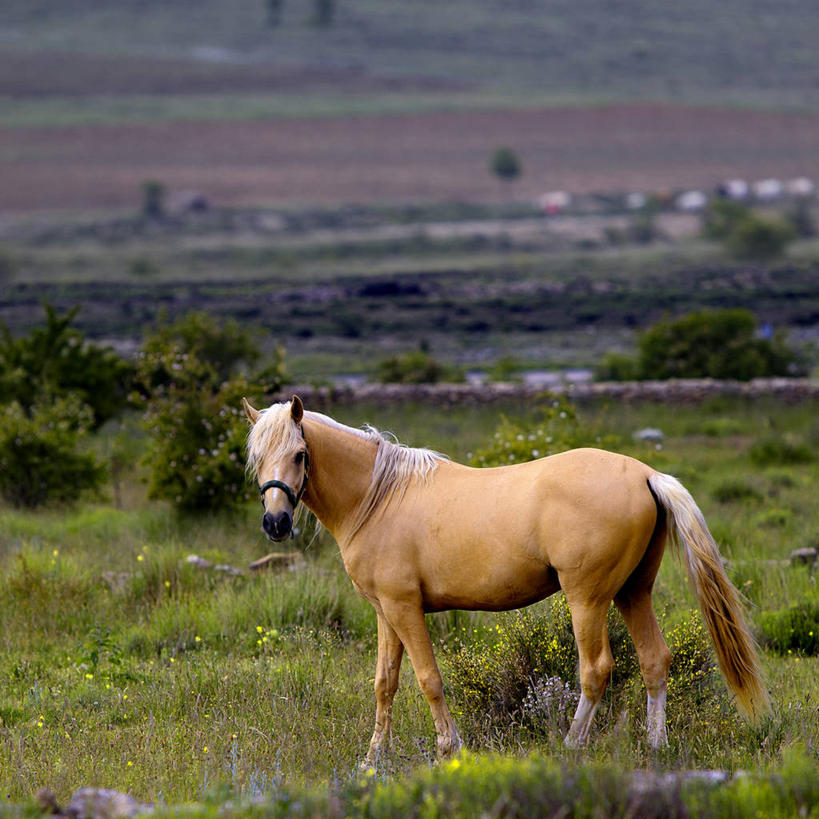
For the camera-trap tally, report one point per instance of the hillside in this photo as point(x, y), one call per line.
point(739, 51)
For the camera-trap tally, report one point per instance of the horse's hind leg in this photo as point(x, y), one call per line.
point(654, 656)
point(596, 662)
point(388, 666)
point(634, 602)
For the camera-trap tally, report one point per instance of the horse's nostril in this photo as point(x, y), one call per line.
point(277, 525)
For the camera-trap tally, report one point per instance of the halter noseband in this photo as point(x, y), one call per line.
point(293, 497)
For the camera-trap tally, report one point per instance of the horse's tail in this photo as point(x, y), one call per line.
point(719, 600)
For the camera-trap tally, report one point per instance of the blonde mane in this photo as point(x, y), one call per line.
point(396, 465)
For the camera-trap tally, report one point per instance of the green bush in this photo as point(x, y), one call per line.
point(773, 451)
point(735, 490)
point(415, 367)
point(40, 454)
point(713, 344)
point(759, 238)
point(745, 234)
point(795, 629)
point(505, 164)
point(530, 670)
point(54, 360)
point(192, 410)
point(555, 430)
point(617, 367)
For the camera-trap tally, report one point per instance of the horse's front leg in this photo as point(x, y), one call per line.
point(388, 666)
point(407, 619)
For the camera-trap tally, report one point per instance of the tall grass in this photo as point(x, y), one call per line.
point(125, 666)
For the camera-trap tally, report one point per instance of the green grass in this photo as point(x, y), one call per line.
point(123, 666)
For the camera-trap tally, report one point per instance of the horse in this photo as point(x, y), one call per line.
point(420, 533)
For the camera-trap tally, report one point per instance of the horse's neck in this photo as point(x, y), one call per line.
point(341, 466)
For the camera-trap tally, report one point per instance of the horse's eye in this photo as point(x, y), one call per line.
point(299, 459)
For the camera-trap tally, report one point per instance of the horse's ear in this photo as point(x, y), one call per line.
point(297, 409)
point(252, 414)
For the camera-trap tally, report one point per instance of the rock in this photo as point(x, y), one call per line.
point(197, 561)
point(98, 803)
point(807, 556)
point(649, 434)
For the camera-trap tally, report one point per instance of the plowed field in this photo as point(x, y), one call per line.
point(430, 156)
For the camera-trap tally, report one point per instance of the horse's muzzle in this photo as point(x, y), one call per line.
point(277, 526)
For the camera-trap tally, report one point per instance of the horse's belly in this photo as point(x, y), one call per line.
point(486, 587)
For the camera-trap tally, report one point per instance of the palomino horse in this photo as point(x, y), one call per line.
point(419, 533)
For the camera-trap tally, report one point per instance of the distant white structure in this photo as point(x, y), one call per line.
point(801, 187)
point(768, 190)
point(554, 202)
point(691, 201)
point(734, 189)
point(636, 200)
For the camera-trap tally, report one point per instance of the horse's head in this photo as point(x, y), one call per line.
point(278, 456)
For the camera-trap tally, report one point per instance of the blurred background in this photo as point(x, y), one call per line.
point(510, 189)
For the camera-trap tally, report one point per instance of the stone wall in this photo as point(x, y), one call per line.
point(687, 391)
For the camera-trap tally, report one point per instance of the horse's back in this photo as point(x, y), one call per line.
point(501, 537)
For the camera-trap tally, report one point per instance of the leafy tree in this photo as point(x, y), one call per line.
point(40, 456)
point(505, 164)
point(274, 12)
point(220, 349)
point(55, 360)
point(153, 199)
point(759, 238)
point(323, 13)
point(745, 234)
point(713, 344)
point(191, 391)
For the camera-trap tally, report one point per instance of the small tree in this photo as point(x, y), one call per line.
point(41, 460)
point(153, 199)
point(54, 360)
point(760, 238)
point(505, 164)
point(713, 344)
point(323, 13)
point(187, 376)
point(274, 12)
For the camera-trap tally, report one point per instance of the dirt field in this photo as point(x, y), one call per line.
point(403, 157)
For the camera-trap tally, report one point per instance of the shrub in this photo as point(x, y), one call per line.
point(735, 490)
point(773, 451)
point(40, 457)
point(555, 430)
point(532, 665)
point(721, 218)
point(415, 367)
point(794, 629)
point(192, 410)
point(745, 234)
point(713, 344)
point(55, 361)
point(153, 199)
point(759, 238)
point(505, 164)
point(617, 367)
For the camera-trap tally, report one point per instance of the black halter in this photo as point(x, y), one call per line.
point(293, 497)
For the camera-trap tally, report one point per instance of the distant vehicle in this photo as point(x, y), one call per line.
point(554, 202)
point(737, 190)
point(800, 187)
point(691, 201)
point(768, 190)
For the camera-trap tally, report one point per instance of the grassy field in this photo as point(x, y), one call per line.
point(342, 288)
point(126, 667)
point(736, 52)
